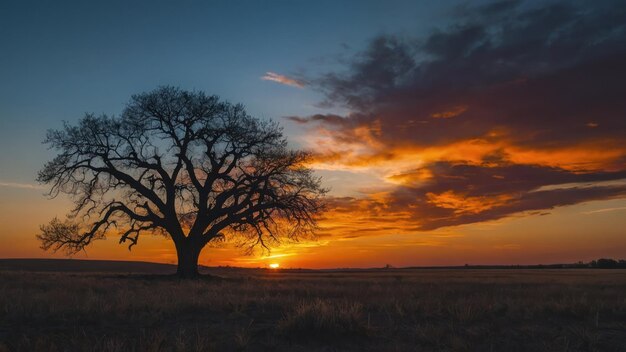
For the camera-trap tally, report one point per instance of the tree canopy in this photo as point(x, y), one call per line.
point(183, 164)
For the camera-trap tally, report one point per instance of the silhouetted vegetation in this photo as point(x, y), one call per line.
point(182, 164)
point(604, 263)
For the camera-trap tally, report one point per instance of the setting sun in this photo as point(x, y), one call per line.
point(274, 266)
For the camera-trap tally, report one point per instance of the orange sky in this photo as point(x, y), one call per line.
point(567, 234)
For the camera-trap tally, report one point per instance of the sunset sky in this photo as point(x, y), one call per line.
point(449, 132)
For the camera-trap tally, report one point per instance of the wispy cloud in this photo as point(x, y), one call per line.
point(275, 77)
point(606, 210)
point(20, 185)
point(452, 112)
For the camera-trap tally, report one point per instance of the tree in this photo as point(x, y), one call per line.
point(182, 164)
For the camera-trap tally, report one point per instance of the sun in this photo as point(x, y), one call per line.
point(274, 266)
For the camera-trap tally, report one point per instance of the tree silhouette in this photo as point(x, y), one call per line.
point(183, 164)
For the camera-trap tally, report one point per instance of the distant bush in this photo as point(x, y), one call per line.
point(606, 263)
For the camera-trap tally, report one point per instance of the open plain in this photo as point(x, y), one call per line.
point(333, 310)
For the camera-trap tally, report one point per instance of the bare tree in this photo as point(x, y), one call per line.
point(182, 164)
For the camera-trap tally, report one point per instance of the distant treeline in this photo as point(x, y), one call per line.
point(602, 263)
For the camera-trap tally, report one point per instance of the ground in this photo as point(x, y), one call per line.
point(277, 310)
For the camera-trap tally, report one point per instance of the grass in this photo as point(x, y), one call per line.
point(257, 310)
point(319, 319)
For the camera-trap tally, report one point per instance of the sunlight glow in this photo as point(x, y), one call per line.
point(274, 266)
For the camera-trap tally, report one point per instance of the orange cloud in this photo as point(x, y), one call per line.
point(275, 77)
point(452, 112)
point(460, 203)
point(367, 153)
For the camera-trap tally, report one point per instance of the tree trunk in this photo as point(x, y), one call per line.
point(188, 254)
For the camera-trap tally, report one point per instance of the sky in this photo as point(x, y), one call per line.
point(449, 132)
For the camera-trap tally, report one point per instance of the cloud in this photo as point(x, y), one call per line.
point(458, 193)
point(606, 210)
point(536, 76)
point(327, 119)
point(275, 77)
point(20, 185)
point(473, 121)
point(452, 112)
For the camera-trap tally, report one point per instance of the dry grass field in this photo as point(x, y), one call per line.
point(260, 310)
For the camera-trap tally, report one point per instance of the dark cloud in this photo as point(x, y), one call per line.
point(457, 193)
point(526, 78)
point(547, 70)
point(328, 119)
point(436, 218)
point(479, 180)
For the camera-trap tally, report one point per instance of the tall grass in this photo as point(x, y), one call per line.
point(432, 310)
point(320, 318)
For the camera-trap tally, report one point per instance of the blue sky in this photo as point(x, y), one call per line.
point(62, 59)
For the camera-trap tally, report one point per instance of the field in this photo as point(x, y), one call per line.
point(261, 310)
